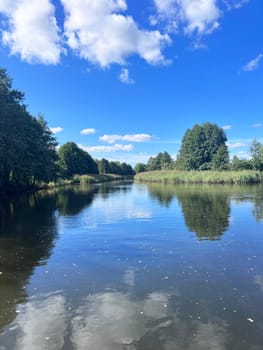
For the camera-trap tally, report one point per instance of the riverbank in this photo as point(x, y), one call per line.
point(209, 177)
point(77, 179)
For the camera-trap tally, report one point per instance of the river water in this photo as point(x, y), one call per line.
point(128, 266)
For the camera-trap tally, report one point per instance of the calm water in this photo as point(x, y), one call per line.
point(132, 267)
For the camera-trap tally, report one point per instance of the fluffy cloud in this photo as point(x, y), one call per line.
point(99, 32)
point(127, 137)
point(253, 64)
point(124, 76)
point(107, 149)
point(31, 30)
point(227, 127)
point(56, 130)
point(88, 131)
point(195, 16)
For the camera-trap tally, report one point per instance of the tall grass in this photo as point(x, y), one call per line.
point(209, 177)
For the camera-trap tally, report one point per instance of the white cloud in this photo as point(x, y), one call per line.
point(124, 76)
point(107, 149)
point(253, 64)
point(227, 127)
point(88, 131)
point(56, 130)
point(32, 30)
point(127, 137)
point(235, 4)
point(194, 16)
point(256, 125)
point(98, 32)
point(236, 144)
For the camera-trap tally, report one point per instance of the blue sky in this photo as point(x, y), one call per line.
point(125, 79)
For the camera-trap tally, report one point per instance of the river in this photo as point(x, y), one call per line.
point(126, 266)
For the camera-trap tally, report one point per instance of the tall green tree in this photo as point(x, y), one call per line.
point(256, 151)
point(74, 160)
point(203, 148)
point(27, 147)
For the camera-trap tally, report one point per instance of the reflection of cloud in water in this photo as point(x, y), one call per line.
point(129, 277)
point(116, 321)
point(41, 324)
point(114, 209)
point(259, 281)
point(112, 321)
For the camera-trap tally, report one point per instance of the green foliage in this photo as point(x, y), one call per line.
point(256, 151)
point(27, 147)
point(241, 164)
point(106, 167)
point(161, 162)
point(73, 160)
point(139, 168)
point(203, 148)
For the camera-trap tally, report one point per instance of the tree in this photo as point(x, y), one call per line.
point(203, 148)
point(241, 164)
point(161, 162)
point(104, 166)
point(73, 160)
point(256, 151)
point(27, 147)
point(139, 168)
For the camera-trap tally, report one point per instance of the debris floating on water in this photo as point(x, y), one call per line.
point(250, 320)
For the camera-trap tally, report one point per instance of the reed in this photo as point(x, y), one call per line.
point(209, 177)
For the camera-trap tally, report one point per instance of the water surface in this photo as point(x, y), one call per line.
point(132, 267)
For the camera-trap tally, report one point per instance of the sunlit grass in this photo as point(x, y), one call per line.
point(213, 177)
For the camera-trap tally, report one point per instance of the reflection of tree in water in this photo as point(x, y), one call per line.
point(72, 200)
point(206, 208)
point(206, 212)
point(27, 234)
point(165, 193)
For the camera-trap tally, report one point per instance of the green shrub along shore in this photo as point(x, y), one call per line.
point(208, 177)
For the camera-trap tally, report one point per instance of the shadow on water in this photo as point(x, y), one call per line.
point(28, 231)
point(206, 208)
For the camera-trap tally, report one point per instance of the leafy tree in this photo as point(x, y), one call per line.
point(241, 164)
point(73, 160)
point(27, 147)
point(139, 168)
point(104, 166)
point(256, 151)
point(203, 148)
point(161, 162)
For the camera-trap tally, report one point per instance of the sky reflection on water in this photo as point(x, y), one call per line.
point(132, 267)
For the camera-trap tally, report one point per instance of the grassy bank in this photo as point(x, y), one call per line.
point(209, 177)
point(85, 179)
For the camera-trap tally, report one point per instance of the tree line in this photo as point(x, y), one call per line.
point(204, 147)
point(28, 149)
point(29, 154)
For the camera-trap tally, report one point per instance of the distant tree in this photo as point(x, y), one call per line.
point(203, 148)
point(161, 162)
point(104, 166)
point(256, 151)
point(139, 168)
point(240, 164)
point(73, 160)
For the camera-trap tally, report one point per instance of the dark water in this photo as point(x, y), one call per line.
point(132, 267)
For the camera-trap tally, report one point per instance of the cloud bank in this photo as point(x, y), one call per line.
point(103, 33)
